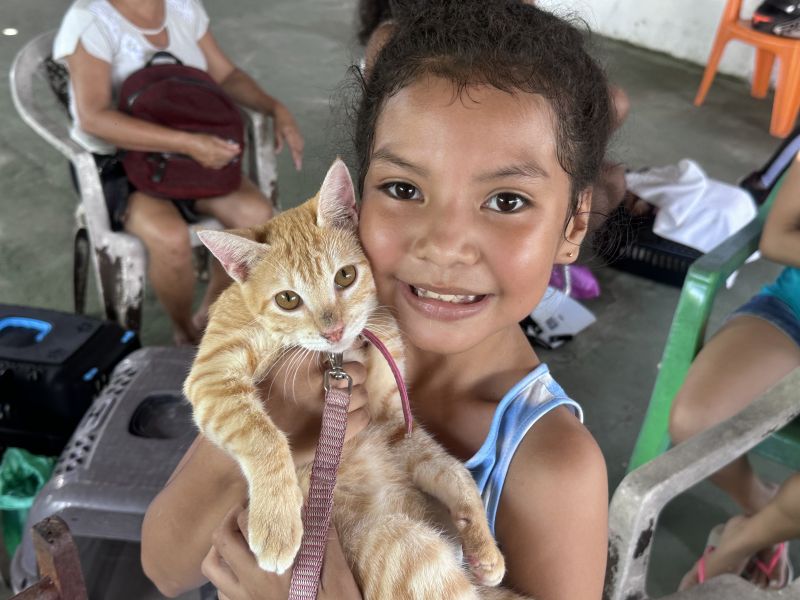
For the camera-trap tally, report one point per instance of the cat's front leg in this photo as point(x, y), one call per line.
point(238, 423)
point(444, 477)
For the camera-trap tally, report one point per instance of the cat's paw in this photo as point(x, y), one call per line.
point(488, 567)
point(275, 529)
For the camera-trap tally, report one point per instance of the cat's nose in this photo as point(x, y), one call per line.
point(334, 334)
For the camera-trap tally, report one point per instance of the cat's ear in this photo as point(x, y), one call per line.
point(336, 204)
point(235, 253)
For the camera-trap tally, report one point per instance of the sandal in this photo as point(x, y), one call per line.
point(778, 560)
point(693, 578)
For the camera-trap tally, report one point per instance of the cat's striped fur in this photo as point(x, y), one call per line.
point(392, 491)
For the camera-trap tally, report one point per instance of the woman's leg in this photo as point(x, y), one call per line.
point(743, 360)
point(165, 235)
point(246, 207)
point(744, 537)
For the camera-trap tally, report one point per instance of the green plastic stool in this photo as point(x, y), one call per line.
point(686, 335)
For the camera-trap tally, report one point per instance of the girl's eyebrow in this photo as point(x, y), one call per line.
point(530, 170)
point(386, 155)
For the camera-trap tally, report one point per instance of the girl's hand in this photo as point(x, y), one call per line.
point(211, 151)
point(233, 569)
point(294, 397)
point(286, 130)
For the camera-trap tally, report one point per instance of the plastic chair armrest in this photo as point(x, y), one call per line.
point(638, 500)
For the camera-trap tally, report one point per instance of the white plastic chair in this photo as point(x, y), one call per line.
point(642, 495)
point(118, 258)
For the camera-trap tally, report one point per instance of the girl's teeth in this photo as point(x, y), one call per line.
point(455, 299)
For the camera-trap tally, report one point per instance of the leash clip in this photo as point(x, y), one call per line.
point(337, 373)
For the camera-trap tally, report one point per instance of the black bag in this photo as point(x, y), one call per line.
point(52, 364)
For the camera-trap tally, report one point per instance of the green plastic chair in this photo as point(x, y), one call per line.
point(686, 336)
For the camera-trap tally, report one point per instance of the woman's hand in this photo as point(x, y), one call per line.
point(233, 569)
point(286, 130)
point(294, 397)
point(211, 151)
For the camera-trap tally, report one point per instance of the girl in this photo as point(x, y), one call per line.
point(755, 349)
point(478, 135)
point(104, 41)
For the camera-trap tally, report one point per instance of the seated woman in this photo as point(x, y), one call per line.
point(756, 348)
point(102, 42)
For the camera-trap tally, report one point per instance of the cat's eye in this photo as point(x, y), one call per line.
point(401, 191)
point(506, 202)
point(345, 276)
point(288, 300)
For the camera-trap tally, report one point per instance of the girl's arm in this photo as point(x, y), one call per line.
point(178, 527)
point(244, 90)
point(552, 522)
point(91, 84)
point(780, 240)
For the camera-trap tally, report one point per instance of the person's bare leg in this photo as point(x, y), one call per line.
point(744, 537)
point(246, 207)
point(743, 360)
point(165, 235)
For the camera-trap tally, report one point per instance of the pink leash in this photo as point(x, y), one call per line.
point(319, 505)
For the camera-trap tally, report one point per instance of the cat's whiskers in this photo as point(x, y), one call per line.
point(278, 365)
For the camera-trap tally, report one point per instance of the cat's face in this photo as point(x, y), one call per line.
point(310, 281)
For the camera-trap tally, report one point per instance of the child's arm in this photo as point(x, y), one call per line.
point(552, 522)
point(780, 240)
point(177, 528)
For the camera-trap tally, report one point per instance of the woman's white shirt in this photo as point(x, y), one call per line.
point(110, 37)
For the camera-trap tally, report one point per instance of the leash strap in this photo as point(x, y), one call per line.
point(319, 505)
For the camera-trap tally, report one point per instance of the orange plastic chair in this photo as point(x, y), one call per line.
point(787, 92)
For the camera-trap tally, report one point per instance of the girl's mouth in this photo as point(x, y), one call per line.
point(450, 298)
point(443, 304)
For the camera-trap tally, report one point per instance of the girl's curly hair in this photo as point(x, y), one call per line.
point(509, 45)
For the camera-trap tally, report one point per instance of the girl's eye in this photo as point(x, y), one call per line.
point(506, 202)
point(345, 276)
point(401, 191)
point(288, 300)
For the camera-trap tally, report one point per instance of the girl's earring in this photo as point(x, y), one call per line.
point(570, 253)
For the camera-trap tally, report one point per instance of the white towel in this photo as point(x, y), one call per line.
point(693, 209)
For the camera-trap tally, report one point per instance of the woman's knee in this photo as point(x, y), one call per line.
point(687, 416)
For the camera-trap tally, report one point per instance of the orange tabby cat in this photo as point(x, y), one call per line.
point(302, 280)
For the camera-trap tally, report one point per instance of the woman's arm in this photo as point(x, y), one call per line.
point(552, 522)
point(91, 84)
point(245, 91)
point(780, 240)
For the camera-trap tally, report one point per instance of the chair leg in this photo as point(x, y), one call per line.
point(711, 67)
point(80, 269)
point(762, 73)
point(123, 289)
point(787, 96)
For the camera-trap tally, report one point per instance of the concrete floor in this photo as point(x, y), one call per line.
point(300, 50)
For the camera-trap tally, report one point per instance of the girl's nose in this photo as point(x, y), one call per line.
point(446, 237)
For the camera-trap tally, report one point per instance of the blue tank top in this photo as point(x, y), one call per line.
point(524, 404)
point(787, 289)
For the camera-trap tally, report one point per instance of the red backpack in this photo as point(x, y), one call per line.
point(188, 99)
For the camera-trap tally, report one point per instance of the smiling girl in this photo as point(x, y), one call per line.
point(479, 134)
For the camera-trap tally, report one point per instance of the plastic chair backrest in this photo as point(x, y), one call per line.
point(686, 335)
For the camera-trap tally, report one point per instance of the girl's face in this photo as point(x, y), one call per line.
point(464, 210)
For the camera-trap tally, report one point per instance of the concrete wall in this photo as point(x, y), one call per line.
point(681, 28)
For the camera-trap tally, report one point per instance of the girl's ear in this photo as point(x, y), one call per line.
point(336, 203)
point(235, 253)
point(576, 229)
